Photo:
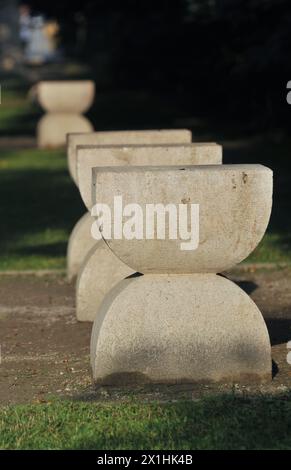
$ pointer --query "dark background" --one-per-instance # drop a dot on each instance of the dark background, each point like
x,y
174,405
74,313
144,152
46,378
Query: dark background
x,y
227,59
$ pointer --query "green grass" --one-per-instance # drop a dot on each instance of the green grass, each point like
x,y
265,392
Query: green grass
x,y
17,114
273,249
39,207
227,422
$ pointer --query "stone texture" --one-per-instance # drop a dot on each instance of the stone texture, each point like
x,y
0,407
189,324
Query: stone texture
x,y
96,139
179,328
66,96
141,155
52,128
89,295
170,326
64,102
100,272
80,243
235,206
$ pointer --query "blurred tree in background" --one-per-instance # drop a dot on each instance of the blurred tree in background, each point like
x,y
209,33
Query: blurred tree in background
x,y
227,56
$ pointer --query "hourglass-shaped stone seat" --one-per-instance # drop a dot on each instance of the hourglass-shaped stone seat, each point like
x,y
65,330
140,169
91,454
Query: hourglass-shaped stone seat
x,y
101,269
181,322
64,103
66,96
81,241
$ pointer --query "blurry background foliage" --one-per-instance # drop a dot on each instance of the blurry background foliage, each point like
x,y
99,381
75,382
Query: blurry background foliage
x,y
228,56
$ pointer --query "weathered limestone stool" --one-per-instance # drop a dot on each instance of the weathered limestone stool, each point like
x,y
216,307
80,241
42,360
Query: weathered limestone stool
x,y
81,241
102,269
181,322
97,139
64,103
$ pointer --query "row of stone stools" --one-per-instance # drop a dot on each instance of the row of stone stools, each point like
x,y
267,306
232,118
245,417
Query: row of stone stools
x,y
180,321
162,314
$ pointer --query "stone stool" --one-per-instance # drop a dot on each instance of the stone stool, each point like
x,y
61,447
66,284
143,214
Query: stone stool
x,y
181,321
64,103
81,241
101,269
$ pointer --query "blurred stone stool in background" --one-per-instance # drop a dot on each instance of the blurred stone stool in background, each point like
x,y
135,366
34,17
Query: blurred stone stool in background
x,y
81,241
64,103
181,322
102,269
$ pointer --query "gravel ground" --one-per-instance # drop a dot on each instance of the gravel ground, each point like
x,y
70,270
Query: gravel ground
x,y
45,351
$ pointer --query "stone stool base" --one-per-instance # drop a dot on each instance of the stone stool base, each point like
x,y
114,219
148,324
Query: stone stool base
x,y
52,129
79,245
100,272
179,328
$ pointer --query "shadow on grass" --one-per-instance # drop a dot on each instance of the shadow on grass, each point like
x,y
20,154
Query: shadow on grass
x,y
51,249
38,210
224,422
19,124
228,421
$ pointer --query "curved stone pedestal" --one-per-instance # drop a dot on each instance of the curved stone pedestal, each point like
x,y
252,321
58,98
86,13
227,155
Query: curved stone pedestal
x,y
70,96
179,328
100,272
122,138
79,245
52,128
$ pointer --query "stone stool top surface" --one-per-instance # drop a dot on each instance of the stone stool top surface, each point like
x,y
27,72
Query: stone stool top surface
x,y
146,137
74,96
140,155
234,209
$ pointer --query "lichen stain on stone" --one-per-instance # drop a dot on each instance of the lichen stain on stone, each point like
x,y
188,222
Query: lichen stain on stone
x,y
244,177
185,200
121,155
